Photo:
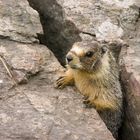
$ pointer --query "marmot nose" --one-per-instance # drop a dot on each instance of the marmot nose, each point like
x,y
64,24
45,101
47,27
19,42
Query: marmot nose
x,y
69,58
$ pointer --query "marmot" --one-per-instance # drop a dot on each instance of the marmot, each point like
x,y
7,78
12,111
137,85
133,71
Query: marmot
x,y
94,71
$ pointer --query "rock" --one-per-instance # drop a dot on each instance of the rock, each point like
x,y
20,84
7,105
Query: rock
x,y
108,32
66,22
24,59
5,83
18,21
130,76
129,18
37,110
119,4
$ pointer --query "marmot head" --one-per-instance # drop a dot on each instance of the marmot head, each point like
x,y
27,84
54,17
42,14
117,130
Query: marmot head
x,y
86,56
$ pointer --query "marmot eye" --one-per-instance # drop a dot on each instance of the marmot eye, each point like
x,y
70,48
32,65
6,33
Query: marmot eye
x,y
89,54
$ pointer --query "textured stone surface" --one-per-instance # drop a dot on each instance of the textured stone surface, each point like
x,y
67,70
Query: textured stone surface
x,y
109,20
24,59
65,22
120,4
108,32
38,111
18,21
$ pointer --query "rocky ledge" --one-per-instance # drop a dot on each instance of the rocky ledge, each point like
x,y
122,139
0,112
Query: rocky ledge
x,y
37,110
30,107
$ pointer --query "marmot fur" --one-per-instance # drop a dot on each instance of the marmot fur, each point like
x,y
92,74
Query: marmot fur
x,y
94,71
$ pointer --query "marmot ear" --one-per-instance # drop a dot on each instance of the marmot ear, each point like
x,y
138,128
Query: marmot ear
x,y
104,49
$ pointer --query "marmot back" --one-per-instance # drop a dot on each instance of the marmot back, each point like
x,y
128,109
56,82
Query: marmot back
x,y
93,69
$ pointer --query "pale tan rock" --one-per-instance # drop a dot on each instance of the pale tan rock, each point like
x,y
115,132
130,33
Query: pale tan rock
x,y
24,59
37,110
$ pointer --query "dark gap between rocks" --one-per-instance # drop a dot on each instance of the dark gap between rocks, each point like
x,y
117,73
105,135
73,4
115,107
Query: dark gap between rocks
x,y
59,33
130,124
121,130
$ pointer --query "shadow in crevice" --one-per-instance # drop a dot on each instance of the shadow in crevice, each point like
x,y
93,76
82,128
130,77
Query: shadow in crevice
x,y
59,33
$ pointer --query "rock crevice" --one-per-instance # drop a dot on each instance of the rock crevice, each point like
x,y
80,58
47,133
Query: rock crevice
x,y
59,32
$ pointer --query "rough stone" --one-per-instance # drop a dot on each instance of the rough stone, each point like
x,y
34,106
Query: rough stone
x,y
24,60
18,21
129,18
38,111
108,32
119,4
66,22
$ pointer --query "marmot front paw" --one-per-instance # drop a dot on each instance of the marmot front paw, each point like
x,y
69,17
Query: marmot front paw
x,y
88,103
61,82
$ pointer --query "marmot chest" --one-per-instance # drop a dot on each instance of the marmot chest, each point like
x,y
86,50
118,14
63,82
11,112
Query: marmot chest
x,y
84,83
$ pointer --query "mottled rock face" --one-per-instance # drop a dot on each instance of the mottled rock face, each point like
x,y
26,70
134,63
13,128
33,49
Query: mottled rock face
x,y
36,110
18,21
24,59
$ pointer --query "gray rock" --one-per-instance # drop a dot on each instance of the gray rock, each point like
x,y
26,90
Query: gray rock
x,y
109,32
66,22
120,3
23,59
18,21
129,18
38,111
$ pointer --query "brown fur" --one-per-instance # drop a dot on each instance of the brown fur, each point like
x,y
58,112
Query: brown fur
x,y
96,76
